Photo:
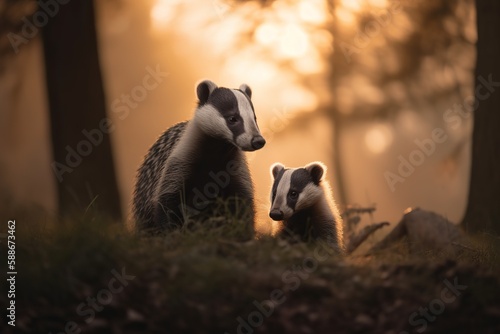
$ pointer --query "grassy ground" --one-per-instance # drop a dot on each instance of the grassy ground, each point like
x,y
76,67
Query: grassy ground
x,y
87,276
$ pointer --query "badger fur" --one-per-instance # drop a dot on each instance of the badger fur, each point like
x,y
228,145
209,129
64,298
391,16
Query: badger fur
x,y
197,163
302,201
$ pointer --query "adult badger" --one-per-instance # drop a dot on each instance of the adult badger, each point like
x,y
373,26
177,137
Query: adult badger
x,y
196,164
302,200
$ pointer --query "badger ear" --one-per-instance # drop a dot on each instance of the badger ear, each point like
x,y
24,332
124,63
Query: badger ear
x,y
316,170
204,89
276,169
245,89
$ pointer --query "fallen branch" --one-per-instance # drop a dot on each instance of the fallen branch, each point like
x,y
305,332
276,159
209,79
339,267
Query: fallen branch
x,y
358,239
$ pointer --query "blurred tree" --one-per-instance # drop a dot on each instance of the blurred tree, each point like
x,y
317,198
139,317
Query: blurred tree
x,y
394,57
483,209
399,56
336,71
78,111
12,13
82,151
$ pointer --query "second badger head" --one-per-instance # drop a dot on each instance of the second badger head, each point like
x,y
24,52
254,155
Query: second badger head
x,y
228,114
295,189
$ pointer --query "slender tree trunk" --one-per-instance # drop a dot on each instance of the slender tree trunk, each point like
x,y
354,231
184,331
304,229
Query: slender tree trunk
x,y
86,176
483,209
337,71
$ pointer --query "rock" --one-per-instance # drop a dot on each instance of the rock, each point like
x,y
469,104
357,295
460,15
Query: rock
x,y
425,231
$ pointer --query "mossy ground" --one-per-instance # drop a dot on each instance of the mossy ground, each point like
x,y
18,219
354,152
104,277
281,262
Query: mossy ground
x,y
203,279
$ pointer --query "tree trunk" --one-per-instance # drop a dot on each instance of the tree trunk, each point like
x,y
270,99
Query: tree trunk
x,y
83,159
337,71
483,209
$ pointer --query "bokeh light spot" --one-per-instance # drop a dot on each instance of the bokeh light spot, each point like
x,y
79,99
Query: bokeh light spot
x,y
378,138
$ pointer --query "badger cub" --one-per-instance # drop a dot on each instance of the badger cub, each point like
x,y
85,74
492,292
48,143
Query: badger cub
x,y
302,200
196,167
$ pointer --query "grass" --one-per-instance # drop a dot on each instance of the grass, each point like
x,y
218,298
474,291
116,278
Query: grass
x,y
203,279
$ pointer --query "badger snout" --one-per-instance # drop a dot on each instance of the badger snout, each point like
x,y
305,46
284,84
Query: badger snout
x,y
276,214
258,142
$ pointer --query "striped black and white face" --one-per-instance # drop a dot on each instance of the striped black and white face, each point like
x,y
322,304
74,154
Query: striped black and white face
x,y
295,189
229,114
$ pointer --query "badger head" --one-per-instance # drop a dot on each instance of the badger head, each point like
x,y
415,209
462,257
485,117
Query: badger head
x,y
295,189
228,114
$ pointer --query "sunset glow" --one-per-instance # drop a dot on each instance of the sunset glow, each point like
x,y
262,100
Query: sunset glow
x,y
286,42
378,138
162,12
351,5
345,16
313,12
293,42
267,33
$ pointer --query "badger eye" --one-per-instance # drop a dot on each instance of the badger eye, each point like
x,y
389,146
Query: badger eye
x,y
293,194
232,119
